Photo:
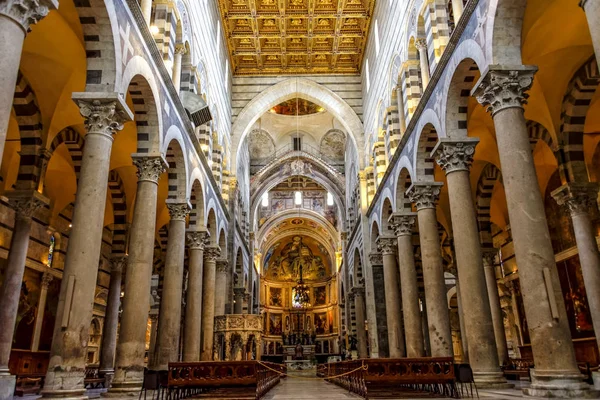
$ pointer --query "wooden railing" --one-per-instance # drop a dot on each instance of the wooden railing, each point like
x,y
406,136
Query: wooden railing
x,y
233,379
382,377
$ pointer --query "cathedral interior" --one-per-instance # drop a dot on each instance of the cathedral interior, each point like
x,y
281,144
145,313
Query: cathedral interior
x,y
299,185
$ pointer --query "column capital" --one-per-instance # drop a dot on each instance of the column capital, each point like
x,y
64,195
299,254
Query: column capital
x,y
455,154
239,291
27,12
103,113
357,291
149,168
583,3
180,49
502,87
421,43
387,245
362,175
178,210
212,252
424,194
578,198
403,223
47,278
118,263
375,258
26,202
489,256
196,240
222,265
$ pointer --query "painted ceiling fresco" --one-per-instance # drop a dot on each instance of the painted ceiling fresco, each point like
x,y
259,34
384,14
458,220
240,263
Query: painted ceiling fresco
x,y
289,256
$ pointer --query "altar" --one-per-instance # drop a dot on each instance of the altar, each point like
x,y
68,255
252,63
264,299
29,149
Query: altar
x,y
300,360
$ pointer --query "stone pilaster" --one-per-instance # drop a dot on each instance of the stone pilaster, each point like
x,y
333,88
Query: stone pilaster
x,y
169,317
193,307
579,199
502,90
221,286
211,253
104,114
387,247
455,158
403,226
129,365
424,195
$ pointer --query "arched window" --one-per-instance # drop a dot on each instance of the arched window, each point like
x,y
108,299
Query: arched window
x,y
51,251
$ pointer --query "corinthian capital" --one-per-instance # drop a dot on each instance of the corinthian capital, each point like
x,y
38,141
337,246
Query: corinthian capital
x,y
149,168
196,240
375,258
222,265
27,12
387,245
118,263
578,198
104,113
46,279
178,211
424,194
403,223
455,154
26,202
421,43
503,87
212,252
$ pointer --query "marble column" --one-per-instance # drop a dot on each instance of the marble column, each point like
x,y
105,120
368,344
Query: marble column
x,y
358,294
425,196
169,316
16,18
421,45
502,90
153,317
221,286
592,12
131,348
455,157
387,247
211,253
146,6
111,320
39,318
461,322
495,307
193,306
400,104
238,295
104,114
457,10
578,199
403,224
179,52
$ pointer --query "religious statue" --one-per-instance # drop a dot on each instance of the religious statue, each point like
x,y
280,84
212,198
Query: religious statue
x,y
299,352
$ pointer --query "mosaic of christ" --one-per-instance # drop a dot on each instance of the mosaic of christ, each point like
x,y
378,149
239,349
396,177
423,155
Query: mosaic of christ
x,y
285,260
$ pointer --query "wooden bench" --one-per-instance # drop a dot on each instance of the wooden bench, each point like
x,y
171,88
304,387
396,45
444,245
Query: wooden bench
x,y
518,368
28,385
222,379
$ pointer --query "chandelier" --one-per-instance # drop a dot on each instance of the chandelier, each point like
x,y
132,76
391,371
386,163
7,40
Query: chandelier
x,y
301,297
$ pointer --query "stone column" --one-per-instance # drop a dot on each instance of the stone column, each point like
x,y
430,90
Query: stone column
x,y
578,199
179,52
455,157
238,295
425,196
146,6
464,343
153,334
358,294
501,90
111,320
421,45
104,114
39,318
169,316
592,12
387,246
208,301
400,104
25,203
193,305
457,10
403,224
221,286
495,307
129,365
16,18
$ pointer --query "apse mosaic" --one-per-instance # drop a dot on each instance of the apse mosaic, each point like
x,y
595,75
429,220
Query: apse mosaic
x,y
286,259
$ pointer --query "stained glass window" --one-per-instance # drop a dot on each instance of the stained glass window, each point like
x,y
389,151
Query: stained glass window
x,y
51,251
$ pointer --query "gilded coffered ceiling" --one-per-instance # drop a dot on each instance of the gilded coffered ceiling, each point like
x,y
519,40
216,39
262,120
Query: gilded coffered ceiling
x,y
296,36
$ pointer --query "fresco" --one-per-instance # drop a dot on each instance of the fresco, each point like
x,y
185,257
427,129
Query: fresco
x,y
293,254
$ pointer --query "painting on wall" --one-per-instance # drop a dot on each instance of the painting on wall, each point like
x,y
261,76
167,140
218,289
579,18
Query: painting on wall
x,y
297,255
276,299
321,325
275,324
320,296
578,312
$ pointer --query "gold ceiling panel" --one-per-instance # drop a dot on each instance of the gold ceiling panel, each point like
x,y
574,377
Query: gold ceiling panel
x,y
268,37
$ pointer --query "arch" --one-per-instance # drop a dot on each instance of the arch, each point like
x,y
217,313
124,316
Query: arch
x,y
138,81
292,88
74,142
580,91
403,182
375,232
177,160
211,225
539,132
197,201
424,162
223,242
358,269
119,203
386,211
503,29
483,198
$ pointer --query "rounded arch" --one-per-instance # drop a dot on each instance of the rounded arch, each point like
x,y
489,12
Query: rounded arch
x,y
211,225
375,232
358,275
403,182
197,201
503,30
483,198
426,141
178,164
119,205
223,242
289,89
386,211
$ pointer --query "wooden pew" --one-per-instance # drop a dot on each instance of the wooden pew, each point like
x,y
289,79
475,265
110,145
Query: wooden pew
x,y
222,379
518,368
